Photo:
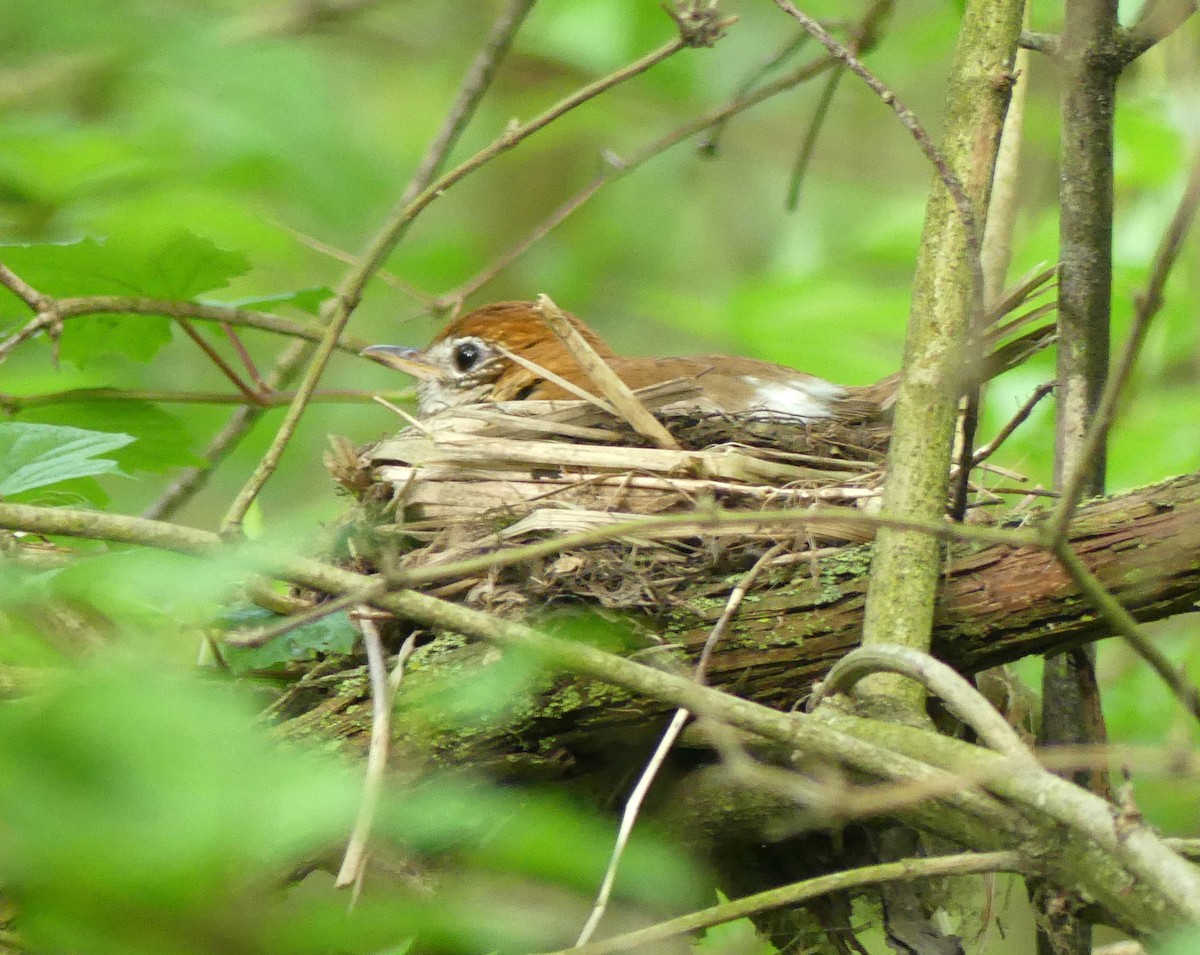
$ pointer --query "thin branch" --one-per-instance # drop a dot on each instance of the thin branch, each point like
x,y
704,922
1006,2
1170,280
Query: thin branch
x,y
617,168
382,694
67,308
243,353
292,359
966,863
217,359
341,255
13,404
1157,20
37,301
1123,623
1048,43
339,309
1146,306
710,144
960,698
475,83
629,817
400,220
985,452
190,481
910,122
634,804
260,636
812,133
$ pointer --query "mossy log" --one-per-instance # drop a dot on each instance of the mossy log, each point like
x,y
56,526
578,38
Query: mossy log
x,y
997,604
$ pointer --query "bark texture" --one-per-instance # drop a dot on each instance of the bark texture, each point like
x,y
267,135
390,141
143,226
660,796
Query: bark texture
x,y
996,604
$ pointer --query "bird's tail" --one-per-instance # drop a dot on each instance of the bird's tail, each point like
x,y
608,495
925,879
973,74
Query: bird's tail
x,y
1017,309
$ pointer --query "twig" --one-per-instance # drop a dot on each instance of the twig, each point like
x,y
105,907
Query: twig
x,y
1155,22
910,122
987,450
259,636
272,399
215,357
960,698
1048,43
339,309
37,301
709,145
66,309
475,83
242,353
629,816
634,804
808,144
289,363
619,394
1123,623
382,690
383,243
192,480
340,255
1146,306
963,864
617,168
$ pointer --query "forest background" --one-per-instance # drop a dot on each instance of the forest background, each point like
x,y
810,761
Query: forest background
x,y
239,152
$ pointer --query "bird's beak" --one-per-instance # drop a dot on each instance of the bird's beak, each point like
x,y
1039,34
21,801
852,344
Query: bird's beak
x,y
407,360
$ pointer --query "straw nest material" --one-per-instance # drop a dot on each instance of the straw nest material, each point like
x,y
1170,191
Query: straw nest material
x,y
480,479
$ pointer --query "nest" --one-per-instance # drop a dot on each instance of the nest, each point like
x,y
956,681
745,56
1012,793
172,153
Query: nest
x,y
579,477
470,482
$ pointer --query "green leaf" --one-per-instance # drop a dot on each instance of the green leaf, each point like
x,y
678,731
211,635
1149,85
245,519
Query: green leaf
x,y
306,299
163,440
176,266
35,455
334,634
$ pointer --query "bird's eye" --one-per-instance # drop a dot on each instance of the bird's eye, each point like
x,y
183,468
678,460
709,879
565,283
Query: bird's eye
x,y
466,355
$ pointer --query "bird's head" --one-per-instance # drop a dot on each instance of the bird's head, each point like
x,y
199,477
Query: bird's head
x,y
486,355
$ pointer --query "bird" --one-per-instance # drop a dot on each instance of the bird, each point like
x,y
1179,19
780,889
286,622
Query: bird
x,y
498,353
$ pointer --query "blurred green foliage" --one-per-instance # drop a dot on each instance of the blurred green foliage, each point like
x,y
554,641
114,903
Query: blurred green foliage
x,y
210,148
181,833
